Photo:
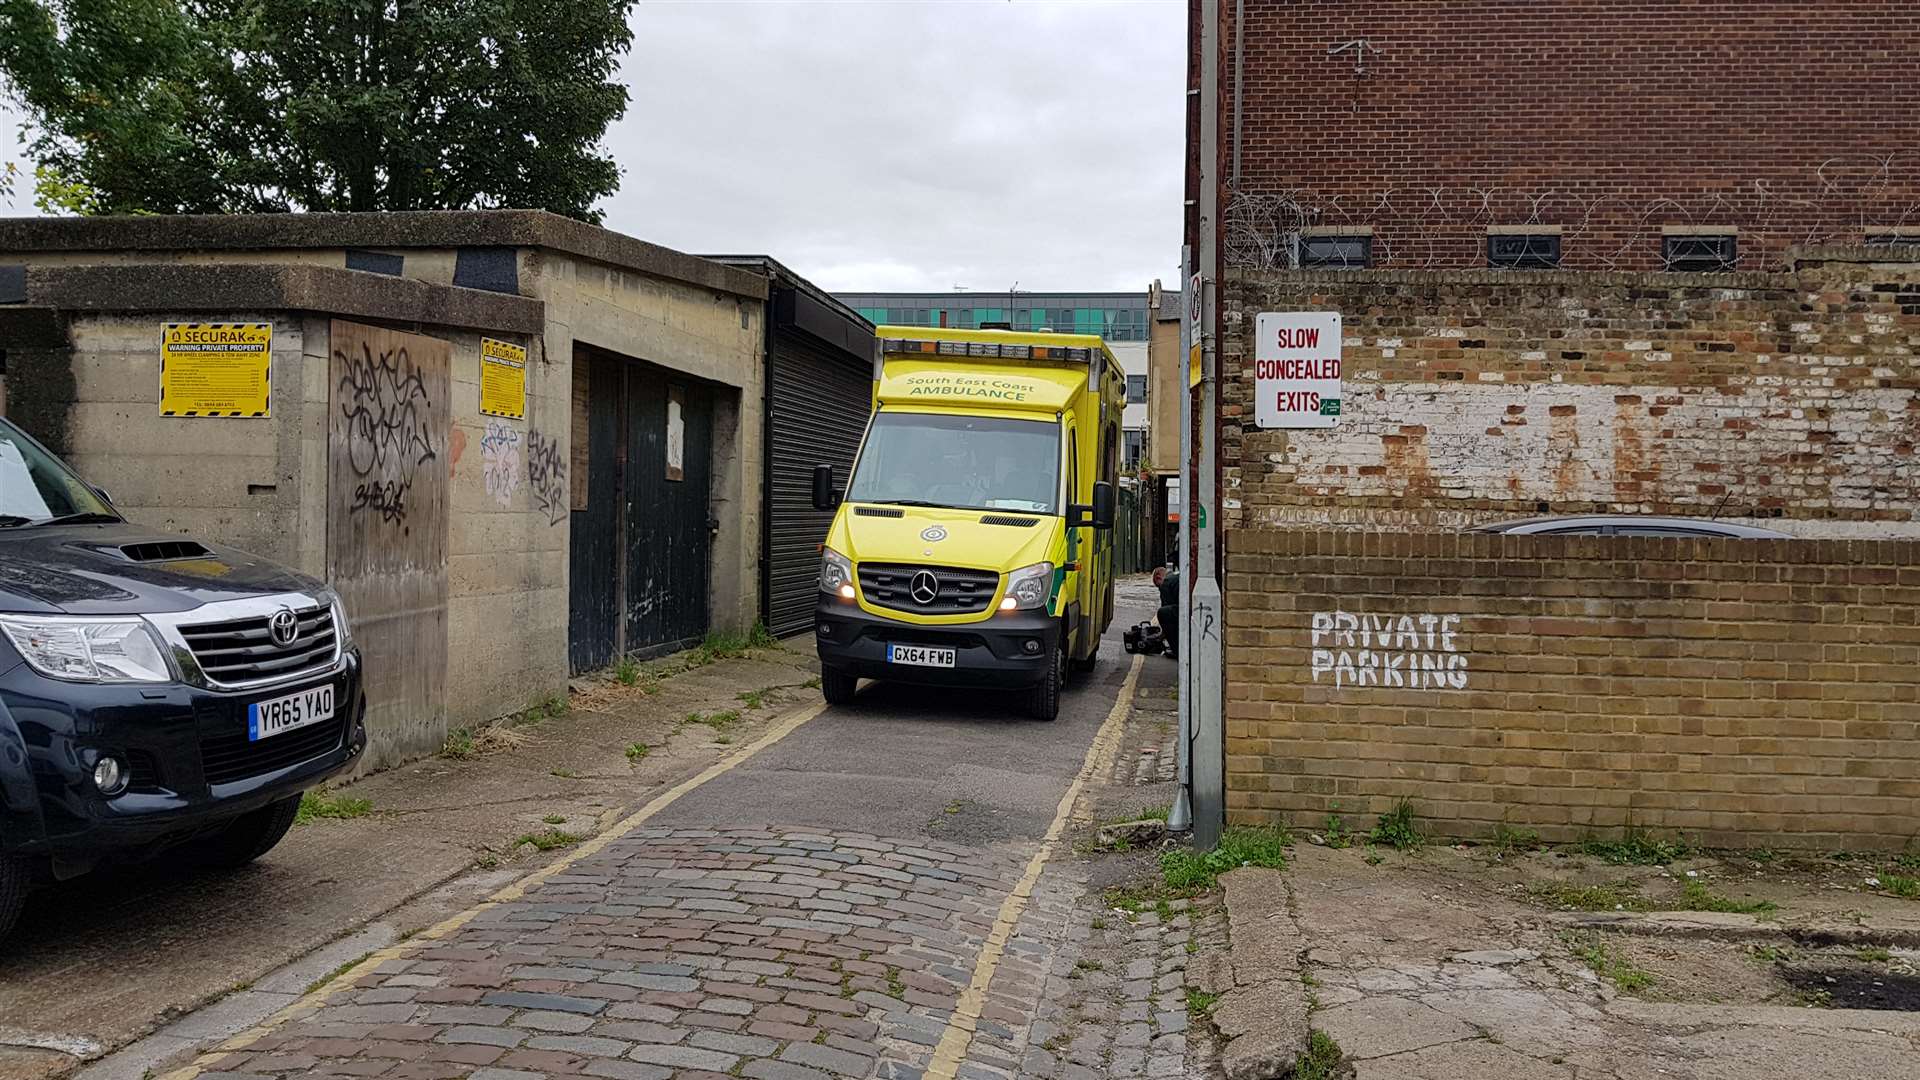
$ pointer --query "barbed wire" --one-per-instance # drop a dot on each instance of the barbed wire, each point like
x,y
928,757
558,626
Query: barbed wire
x,y
1848,199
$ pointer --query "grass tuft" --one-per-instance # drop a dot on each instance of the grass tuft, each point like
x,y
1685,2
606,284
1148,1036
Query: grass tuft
x,y
315,805
548,840
1510,841
1567,896
565,774
459,745
555,819
1616,969
627,671
1396,828
637,751
1905,886
1336,833
1200,1002
721,720
1695,896
1637,847
1187,871
1322,1061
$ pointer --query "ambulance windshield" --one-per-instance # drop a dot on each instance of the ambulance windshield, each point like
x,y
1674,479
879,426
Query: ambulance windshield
x,y
961,462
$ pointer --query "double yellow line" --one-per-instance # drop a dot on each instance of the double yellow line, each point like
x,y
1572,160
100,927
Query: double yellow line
x,y
951,1052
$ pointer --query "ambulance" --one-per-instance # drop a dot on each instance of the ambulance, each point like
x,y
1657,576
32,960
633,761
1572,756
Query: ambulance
x,y
972,545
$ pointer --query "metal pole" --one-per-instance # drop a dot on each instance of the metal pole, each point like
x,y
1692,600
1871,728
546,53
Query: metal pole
x,y
1180,817
1205,644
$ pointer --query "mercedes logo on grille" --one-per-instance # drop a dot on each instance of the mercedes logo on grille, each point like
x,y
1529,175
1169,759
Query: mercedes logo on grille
x,y
925,588
284,627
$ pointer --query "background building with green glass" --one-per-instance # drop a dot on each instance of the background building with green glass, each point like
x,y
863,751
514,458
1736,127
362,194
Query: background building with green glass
x,y
1114,316
1121,318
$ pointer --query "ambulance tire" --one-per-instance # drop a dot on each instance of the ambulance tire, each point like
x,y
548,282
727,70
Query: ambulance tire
x,y
838,686
1043,701
1087,662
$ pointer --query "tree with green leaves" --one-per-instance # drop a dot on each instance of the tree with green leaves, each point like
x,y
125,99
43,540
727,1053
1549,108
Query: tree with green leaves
x,y
251,106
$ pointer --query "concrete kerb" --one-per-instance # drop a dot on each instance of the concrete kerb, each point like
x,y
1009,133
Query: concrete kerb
x,y
310,1003
1263,1008
1721,926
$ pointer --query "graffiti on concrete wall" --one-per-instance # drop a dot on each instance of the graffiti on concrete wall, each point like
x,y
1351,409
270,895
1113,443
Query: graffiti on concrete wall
x,y
547,476
384,403
1408,651
500,461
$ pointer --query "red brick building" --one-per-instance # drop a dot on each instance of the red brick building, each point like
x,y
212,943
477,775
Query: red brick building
x,y
1587,134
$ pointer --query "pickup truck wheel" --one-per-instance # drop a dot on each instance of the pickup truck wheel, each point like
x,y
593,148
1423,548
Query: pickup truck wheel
x,y
838,686
1043,701
13,892
249,836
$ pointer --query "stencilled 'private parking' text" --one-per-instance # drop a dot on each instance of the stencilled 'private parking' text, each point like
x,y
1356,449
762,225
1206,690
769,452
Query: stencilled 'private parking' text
x,y
1410,651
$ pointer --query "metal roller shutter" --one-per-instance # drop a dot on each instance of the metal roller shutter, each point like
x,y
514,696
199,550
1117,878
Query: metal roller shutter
x,y
819,400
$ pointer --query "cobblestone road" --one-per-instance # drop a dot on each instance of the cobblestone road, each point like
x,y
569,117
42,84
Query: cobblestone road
x,y
794,951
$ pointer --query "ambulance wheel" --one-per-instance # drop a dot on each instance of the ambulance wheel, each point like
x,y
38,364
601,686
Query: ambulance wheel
x,y
838,686
1043,701
1087,662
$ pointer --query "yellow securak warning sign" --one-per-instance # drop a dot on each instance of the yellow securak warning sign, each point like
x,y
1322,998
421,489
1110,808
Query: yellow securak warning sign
x,y
503,379
215,369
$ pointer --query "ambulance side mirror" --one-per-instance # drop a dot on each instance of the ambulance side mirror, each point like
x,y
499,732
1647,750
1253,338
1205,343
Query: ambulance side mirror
x,y
1099,515
824,497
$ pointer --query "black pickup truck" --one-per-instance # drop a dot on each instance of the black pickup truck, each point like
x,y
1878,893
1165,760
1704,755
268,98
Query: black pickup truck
x,y
159,697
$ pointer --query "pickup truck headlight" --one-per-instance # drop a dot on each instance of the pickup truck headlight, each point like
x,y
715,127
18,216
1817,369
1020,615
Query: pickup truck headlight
x,y
1028,587
836,574
81,649
342,629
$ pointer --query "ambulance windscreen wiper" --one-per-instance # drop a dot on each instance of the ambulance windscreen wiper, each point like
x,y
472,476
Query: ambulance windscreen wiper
x,y
918,502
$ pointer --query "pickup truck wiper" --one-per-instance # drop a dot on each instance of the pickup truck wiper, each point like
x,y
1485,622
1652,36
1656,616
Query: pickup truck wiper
x,y
90,517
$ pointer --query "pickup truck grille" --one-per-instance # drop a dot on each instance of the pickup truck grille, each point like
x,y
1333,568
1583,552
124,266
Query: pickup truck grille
x,y
232,756
243,650
960,591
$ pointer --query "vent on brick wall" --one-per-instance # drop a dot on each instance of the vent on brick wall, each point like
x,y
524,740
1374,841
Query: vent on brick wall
x,y
1699,254
1523,251
1335,252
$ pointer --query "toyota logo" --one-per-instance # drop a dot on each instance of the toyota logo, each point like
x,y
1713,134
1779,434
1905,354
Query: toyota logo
x,y
284,627
925,588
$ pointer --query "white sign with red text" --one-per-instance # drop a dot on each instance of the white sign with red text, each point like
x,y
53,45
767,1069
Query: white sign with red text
x,y
1296,369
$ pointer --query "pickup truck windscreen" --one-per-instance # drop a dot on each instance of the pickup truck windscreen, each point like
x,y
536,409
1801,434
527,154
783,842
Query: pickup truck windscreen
x,y
962,462
35,487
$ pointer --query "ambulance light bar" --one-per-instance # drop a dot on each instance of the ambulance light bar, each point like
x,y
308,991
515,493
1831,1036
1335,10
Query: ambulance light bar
x,y
987,350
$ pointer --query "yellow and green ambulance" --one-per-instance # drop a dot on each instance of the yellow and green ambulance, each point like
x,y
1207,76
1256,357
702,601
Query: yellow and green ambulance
x,y
973,545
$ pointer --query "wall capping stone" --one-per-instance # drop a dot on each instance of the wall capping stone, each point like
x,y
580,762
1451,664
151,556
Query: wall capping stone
x,y
384,231
139,287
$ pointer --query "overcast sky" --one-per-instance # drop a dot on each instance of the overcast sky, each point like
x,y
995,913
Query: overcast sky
x,y
903,144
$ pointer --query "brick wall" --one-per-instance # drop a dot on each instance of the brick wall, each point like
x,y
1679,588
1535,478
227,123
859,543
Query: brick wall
x,y
1790,399
1748,693
1607,118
